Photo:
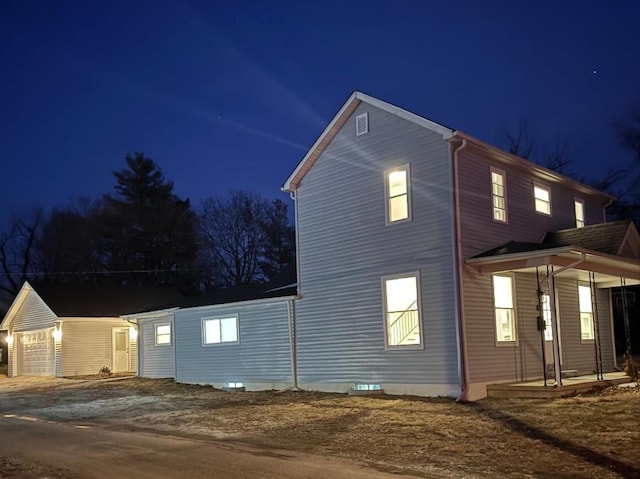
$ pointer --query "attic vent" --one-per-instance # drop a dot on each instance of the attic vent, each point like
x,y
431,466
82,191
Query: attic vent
x,y
362,124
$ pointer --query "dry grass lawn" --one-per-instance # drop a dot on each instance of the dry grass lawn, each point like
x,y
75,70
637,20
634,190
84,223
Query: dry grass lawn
x,y
593,435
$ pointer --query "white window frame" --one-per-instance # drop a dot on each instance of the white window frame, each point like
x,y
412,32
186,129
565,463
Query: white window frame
x,y
219,319
387,194
539,186
513,309
494,195
587,311
385,312
362,119
169,334
580,222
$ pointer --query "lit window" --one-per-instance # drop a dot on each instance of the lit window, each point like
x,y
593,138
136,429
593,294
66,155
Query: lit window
x,y
504,310
220,330
586,313
163,334
397,189
543,199
402,312
498,194
546,316
579,207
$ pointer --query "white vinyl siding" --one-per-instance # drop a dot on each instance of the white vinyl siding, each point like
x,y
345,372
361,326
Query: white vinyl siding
x,y
498,195
586,312
579,209
220,330
402,310
163,334
397,190
504,309
542,196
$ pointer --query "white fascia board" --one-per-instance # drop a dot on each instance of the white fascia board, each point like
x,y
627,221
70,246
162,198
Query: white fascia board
x,y
287,184
446,133
149,314
16,305
251,302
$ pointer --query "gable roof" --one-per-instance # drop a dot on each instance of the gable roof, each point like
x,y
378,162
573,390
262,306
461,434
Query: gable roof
x,y
340,119
356,98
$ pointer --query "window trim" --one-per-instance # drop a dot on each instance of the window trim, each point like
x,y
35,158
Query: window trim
x,y
580,312
577,201
219,318
155,336
383,288
516,341
498,171
407,168
535,199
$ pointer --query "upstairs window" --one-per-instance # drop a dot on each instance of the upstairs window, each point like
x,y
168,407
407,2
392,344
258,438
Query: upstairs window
x,y
362,124
163,334
402,310
579,208
505,316
586,312
398,194
220,330
542,196
498,195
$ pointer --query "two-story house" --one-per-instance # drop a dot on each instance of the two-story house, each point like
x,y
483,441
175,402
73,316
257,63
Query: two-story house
x,y
432,263
429,263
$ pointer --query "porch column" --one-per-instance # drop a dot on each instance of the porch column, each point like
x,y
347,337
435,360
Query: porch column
x,y
557,370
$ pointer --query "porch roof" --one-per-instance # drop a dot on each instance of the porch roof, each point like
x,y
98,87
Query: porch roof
x,y
582,250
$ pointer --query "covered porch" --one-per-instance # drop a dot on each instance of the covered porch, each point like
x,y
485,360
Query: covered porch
x,y
573,272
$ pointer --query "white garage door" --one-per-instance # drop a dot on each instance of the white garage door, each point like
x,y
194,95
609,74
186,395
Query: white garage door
x,y
35,353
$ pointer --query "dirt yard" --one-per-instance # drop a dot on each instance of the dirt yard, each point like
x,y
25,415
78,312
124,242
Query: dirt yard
x,y
594,435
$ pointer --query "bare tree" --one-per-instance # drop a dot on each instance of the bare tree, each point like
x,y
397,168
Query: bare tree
x,y
18,251
522,142
243,238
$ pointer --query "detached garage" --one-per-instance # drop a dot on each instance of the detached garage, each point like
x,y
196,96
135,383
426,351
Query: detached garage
x,y
63,329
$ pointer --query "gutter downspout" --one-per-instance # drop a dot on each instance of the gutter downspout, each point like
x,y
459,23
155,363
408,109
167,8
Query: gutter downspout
x,y
462,331
557,371
291,307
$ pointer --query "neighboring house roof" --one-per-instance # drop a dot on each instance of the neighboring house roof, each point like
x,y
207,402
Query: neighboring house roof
x,y
69,300
356,98
283,285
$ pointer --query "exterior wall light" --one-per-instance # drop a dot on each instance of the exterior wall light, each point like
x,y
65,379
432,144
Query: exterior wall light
x,y
10,340
57,334
133,333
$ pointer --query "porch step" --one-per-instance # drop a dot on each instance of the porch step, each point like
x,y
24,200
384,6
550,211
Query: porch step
x,y
536,389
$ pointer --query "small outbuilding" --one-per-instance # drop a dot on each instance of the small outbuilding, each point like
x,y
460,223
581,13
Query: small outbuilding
x,y
67,329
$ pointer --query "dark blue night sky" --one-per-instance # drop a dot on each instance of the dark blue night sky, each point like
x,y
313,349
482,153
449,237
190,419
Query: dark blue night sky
x,y
231,94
